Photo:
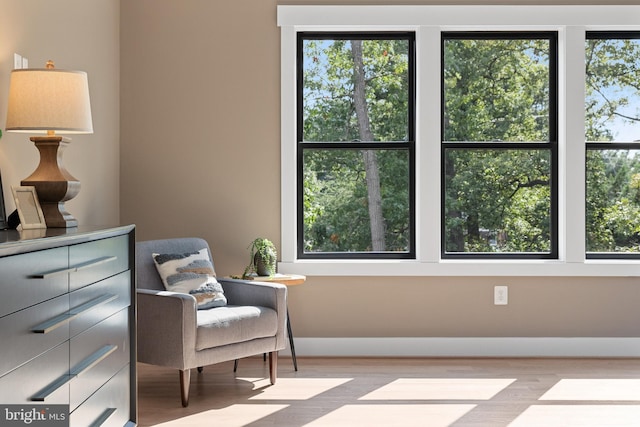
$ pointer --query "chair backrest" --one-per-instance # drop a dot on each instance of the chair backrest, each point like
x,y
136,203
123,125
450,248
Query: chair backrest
x,y
146,272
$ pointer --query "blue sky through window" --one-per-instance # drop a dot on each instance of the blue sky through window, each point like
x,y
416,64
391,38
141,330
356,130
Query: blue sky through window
x,y
624,125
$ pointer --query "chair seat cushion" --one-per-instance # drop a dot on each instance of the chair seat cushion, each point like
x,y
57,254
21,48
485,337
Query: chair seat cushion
x,y
232,324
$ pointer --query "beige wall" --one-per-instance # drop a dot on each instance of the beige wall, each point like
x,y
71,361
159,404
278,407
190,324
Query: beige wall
x,y
81,35
200,155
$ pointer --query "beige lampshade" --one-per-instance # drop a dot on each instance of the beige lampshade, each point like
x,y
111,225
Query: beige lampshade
x,y
42,100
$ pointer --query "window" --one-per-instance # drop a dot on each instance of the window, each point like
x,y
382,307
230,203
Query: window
x,y
499,144
356,145
487,162
613,144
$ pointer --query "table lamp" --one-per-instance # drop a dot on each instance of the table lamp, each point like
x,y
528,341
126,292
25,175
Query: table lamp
x,y
45,101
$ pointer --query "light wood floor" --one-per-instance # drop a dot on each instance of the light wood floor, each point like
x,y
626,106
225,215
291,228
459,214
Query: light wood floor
x,y
398,392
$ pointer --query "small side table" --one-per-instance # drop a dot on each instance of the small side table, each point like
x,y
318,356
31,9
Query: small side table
x,y
288,280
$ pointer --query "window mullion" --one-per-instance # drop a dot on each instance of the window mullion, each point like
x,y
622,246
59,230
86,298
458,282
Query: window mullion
x,y
572,145
428,172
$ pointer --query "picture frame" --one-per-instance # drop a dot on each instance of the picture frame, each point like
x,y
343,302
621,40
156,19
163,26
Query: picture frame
x,y
4,224
28,206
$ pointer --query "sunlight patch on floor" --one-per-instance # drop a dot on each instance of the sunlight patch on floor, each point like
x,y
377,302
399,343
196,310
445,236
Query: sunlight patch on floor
x,y
579,416
595,389
298,389
231,416
440,389
391,415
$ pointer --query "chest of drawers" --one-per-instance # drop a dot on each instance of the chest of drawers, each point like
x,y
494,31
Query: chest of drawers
x,y
67,323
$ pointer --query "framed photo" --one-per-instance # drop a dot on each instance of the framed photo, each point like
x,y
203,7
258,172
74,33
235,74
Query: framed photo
x,y
28,207
3,213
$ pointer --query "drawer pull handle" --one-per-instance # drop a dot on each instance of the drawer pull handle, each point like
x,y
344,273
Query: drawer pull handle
x,y
75,269
78,370
51,388
93,360
93,263
89,305
53,273
53,323
103,417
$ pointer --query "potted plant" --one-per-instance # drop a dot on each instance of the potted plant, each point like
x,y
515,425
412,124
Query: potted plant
x,y
262,258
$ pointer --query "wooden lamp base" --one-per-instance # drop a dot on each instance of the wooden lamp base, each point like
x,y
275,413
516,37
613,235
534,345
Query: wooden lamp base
x,y
54,185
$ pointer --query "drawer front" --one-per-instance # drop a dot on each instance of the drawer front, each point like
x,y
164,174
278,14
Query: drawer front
x,y
96,302
108,407
94,261
97,354
30,278
30,332
43,376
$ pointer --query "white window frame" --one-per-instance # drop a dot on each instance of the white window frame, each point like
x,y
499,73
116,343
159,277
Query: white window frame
x,y
571,23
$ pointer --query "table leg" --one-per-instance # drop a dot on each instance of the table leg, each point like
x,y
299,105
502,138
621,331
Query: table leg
x,y
293,348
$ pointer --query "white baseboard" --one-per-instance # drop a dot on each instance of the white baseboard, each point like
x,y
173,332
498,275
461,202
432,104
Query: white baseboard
x,y
468,347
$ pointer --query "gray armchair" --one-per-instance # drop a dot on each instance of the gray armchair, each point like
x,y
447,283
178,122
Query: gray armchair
x,y
173,333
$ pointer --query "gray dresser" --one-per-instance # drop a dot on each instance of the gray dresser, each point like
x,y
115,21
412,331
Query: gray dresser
x,y
67,322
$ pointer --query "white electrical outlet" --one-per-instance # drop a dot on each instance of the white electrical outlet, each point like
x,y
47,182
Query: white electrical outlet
x,y
501,295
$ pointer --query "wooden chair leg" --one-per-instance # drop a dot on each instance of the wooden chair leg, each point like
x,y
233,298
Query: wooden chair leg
x,y
235,365
185,381
273,366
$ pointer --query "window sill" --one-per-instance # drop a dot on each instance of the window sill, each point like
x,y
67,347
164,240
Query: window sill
x,y
553,268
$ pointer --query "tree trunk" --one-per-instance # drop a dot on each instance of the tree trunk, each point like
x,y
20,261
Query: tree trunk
x,y
473,228
370,159
454,238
